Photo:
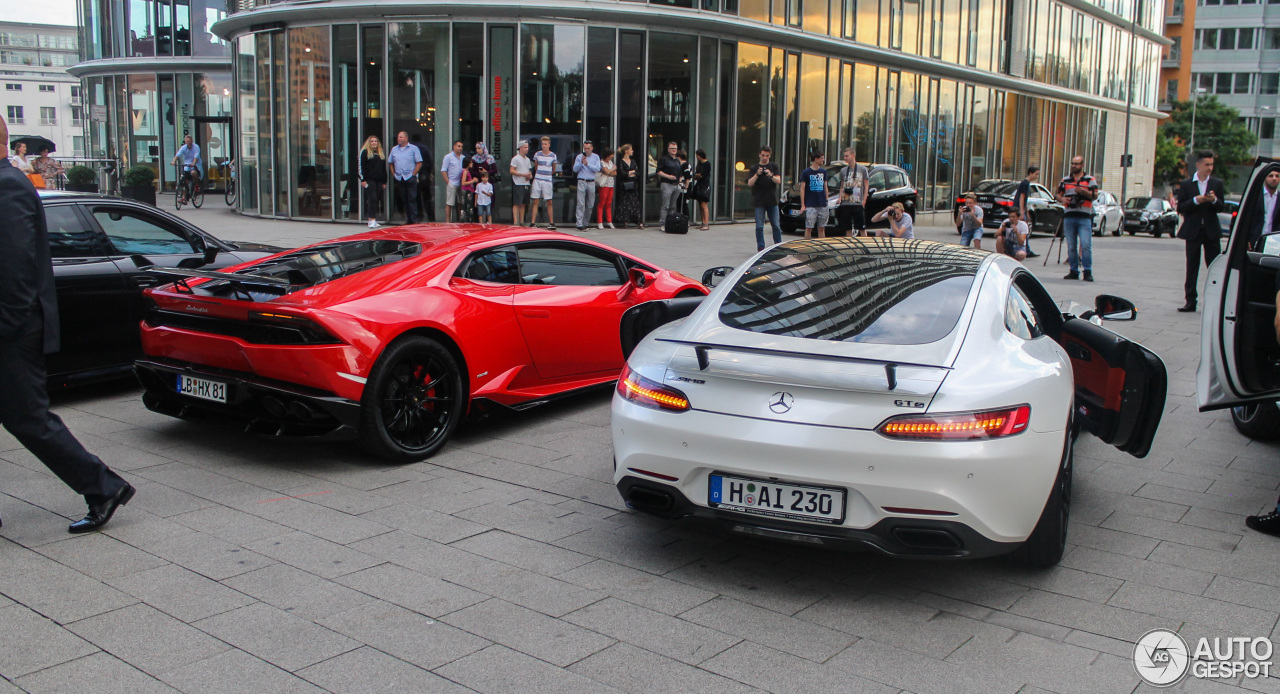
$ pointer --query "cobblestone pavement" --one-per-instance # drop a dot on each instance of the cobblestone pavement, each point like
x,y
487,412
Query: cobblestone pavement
x,y
508,564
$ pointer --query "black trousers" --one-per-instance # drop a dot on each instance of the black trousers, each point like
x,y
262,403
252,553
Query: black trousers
x,y
407,193
373,200
850,217
1211,248
24,411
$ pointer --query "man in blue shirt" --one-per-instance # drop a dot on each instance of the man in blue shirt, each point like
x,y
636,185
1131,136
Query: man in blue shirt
x,y
813,201
586,165
189,155
405,160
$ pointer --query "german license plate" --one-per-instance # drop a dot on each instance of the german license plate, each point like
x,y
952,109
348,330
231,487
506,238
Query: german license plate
x,y
985,205
202,388
777,499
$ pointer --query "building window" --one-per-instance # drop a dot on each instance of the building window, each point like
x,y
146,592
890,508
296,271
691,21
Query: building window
x,y
48,115
1244,40
1224,83
1226,39
15,115
1273,40
1206,39
1175,51
46,88
77,114
75,91
1269,83
1171,91
9,87
1266,128
1242,82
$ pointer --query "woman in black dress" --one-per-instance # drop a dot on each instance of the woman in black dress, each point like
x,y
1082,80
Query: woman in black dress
x,y
701,188
373,178
627,189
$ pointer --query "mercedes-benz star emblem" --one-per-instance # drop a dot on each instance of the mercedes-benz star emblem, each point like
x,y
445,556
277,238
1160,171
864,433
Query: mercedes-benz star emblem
x,y
780,402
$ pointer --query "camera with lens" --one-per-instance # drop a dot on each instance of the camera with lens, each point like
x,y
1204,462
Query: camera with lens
x,y
848,191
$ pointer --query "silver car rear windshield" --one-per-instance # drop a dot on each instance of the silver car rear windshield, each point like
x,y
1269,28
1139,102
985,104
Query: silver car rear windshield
x,y
854,290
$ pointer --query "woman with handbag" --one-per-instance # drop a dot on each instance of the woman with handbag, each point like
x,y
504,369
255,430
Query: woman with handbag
x,y
604,186
701,191
19,160
628,184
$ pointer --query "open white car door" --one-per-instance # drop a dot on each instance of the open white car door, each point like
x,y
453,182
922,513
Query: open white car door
x,y
1239,354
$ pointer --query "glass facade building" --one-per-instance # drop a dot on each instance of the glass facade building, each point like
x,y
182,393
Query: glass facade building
x,y
952,91
152,72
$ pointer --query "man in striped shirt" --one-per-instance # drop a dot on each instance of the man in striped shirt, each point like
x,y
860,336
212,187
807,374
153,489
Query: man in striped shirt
x,y
1076,192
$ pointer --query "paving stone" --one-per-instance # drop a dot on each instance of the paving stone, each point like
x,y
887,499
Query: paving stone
x,y
424,522
547,526
636,670
100,556
674,638
63,594
775,671
423,555
423,594
898,623
230,525
637,587
19,560
527,554
1174,532
1060,667
148,639
499,669
556,641
181,593
209,556
100,672
1106,620
644,551
366,671
425,642
297,592
30,642
276,636
236,672
535,591
313,554
922,674
1126,568
326,523
783,632
1191,608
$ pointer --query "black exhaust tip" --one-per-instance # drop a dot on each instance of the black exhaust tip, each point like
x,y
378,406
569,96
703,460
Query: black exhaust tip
x,y
274,406
651,500
927,538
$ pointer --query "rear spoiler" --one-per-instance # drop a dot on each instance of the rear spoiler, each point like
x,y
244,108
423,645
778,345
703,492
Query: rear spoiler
x,y
240,282
702,350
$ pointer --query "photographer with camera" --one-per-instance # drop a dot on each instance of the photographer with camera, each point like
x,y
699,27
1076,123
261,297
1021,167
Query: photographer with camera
x,y
1076,192
851,214
969,220
1011,237
764,179
900,224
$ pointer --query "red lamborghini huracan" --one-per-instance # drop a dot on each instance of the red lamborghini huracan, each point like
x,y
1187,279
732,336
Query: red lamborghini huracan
x,y
394,335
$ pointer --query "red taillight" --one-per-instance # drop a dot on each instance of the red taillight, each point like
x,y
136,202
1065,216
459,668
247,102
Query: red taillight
x,y
959,426
640,390
1004,203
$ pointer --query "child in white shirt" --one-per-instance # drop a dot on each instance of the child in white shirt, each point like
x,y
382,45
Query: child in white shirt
x,y
484,198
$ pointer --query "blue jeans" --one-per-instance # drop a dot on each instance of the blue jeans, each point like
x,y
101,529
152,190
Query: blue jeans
x,y
772,212
968,235
1078,227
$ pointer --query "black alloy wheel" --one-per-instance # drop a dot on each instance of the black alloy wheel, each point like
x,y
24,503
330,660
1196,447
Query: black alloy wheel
x,y
1260,422
412,401
1048,542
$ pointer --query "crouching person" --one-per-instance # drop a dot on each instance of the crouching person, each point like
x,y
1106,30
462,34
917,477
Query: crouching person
x,y
1011,238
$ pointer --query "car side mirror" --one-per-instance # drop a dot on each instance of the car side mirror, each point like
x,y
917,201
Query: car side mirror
x,y
640,278
872,190
712,276
1108,307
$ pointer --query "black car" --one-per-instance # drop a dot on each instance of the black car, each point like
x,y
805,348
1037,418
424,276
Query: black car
x,y
1153,216
995,197
887,184
100,302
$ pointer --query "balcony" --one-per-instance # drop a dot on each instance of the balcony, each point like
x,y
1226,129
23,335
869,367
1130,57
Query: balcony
x,y
1173,19
17,121
1171,63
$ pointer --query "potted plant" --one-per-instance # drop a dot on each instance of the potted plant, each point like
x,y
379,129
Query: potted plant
x,y
82,179
138,184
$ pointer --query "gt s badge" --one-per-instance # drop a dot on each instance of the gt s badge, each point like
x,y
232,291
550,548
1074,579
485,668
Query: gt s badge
x,y
909,403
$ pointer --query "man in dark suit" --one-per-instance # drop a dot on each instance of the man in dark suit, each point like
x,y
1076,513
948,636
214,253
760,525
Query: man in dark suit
x,y
28,331
1266,218
1199,202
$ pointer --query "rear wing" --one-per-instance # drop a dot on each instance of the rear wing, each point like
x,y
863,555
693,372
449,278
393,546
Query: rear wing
x,y
240,284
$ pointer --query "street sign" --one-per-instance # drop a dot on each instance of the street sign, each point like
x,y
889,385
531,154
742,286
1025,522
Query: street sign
x,y
98,113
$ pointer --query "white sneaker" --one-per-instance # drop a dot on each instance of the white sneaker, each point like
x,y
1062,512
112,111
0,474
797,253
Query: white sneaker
x,y
611,226
599,226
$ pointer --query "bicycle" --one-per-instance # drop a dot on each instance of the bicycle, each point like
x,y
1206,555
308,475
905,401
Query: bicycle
x,y
229,182
189,190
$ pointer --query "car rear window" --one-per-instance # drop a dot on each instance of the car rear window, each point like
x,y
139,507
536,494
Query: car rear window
x,y
851,290
308,267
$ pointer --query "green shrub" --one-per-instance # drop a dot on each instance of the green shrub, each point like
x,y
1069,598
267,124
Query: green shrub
x,y
139,177
81,176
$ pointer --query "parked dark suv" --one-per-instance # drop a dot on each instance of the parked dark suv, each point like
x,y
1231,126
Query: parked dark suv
x,y
995,197
100,302
887,184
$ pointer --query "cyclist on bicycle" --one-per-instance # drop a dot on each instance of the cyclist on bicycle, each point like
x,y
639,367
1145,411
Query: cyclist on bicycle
x,y
189,154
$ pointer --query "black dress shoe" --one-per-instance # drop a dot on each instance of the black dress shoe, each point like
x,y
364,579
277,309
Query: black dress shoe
x,y
1071,276
1088,276
101,512
1269,524
1189,307
1032,254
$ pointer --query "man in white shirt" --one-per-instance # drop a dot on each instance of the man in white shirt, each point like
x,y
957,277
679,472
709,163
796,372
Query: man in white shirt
x,y
1011,238
521,176
1269,221
586,166
545,163
451,167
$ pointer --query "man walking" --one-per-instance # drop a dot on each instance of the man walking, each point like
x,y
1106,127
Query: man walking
x,y
670,171
763,180
521,170
1076,192
851,214
1199,202
451,167
1266,216
405,161
586,166
28,331
813,203
545,164
1020,202
426,183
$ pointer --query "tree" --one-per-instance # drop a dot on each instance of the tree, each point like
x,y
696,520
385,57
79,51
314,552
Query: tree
x,y
1218,128
1170,158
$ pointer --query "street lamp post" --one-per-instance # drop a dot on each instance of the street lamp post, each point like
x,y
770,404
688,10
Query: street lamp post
x,y
1128,106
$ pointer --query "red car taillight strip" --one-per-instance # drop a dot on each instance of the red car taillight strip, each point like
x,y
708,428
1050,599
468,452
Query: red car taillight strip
x,y
642,391
958,426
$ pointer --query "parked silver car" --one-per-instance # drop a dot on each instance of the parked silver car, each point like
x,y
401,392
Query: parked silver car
x,y
1108,214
